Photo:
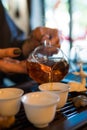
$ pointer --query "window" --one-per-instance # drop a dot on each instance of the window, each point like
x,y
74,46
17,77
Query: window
x,y
79,12
69,16
57,16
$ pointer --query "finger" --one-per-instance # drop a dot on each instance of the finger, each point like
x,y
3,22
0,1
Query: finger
x,y
45,38
8,59
13,67
55,42
36,34
10,52
50,40
39,32
54,37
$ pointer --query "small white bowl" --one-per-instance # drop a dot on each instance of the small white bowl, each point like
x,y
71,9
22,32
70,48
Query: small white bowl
x,y
61,89
40,107
10,101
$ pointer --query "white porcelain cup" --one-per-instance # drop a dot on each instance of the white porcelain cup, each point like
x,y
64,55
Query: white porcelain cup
x,y
60,89
40,107
10,101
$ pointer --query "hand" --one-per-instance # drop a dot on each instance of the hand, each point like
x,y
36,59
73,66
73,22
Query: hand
x,y
41,34
9,65
38,36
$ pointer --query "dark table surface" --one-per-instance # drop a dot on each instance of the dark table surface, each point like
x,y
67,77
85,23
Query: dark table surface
x,y
69,117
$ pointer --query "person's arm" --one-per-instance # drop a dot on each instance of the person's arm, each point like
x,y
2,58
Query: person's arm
x,y
16,66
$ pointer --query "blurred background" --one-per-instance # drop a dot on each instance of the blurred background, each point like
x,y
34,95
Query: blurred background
x,y
68,16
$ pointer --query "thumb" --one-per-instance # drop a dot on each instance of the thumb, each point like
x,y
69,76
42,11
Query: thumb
x,y
10,52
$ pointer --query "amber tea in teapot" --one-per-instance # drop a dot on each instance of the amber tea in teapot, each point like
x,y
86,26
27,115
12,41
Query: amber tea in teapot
x,y
47,64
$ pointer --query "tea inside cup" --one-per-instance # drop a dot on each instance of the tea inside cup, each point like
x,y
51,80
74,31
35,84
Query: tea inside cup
x,y
60,89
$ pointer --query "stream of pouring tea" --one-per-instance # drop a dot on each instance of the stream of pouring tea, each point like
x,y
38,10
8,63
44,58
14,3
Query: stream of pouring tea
x,y
55,70
49,70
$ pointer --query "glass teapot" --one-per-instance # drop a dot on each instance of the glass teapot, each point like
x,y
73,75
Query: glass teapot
x,y
47,64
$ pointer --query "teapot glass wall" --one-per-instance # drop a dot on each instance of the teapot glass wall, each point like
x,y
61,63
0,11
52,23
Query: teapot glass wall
x,y
47,64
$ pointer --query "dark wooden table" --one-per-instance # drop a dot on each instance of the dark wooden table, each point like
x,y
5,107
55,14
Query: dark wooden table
x,y
69,118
